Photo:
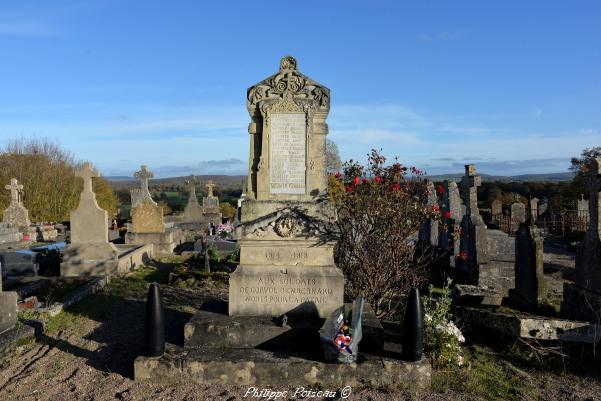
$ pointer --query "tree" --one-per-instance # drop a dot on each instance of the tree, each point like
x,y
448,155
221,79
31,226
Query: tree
x,y
379,210
228,212
47,172
579,164
333,162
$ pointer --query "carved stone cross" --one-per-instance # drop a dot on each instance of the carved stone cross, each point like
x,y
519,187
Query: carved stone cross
x,y
15,188
471,182
210,186
87,173
144,175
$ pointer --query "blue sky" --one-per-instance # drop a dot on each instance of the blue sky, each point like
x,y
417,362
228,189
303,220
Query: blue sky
x,y
512,86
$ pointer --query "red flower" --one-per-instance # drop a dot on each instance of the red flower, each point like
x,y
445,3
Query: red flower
x,y
365,180
378,178
356,180
440,189
435,208
349,188
463,255
396,186
447,214
337,175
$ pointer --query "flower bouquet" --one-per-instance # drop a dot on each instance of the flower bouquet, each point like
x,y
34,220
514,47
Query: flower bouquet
x,y
341,333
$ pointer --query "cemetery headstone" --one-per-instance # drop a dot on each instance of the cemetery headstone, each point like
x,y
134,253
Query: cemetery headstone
x,y
192,211
582,206
8,308
16,215
474,243
533,206
148,223
142,194
518,215
529,276
496,207
210,206
285,268
582,301
90,252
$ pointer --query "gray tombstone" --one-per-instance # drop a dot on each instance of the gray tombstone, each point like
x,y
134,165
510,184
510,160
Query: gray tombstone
x,y
496,207
8,308
142,194
16,215
529,277
474,242
518,215
582,300
192,211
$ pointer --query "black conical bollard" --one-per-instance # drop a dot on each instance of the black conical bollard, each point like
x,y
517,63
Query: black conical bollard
x,y
413,328
155,323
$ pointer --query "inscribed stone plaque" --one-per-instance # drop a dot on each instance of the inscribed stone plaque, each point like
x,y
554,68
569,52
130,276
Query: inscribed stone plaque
x,y
287,153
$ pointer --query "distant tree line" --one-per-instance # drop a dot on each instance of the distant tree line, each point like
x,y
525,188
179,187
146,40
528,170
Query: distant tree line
x,y
47,173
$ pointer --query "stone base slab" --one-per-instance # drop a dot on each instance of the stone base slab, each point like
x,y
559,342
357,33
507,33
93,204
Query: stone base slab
x,y
267,290
163,243
12,338
527,326
247,367
581,304
214,330
473,295
128,259
8,310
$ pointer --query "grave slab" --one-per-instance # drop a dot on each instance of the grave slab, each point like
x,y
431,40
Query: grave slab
x,y
277,369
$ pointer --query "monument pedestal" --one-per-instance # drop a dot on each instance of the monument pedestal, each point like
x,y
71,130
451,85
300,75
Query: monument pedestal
x,y
263,290
99,259
164,243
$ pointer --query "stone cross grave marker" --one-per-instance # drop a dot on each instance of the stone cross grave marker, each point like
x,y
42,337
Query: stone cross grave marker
x,y
89,222
471,182
16,214
192,211
142,194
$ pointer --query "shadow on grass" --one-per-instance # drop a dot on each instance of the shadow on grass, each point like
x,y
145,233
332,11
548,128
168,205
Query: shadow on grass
x,y
119,308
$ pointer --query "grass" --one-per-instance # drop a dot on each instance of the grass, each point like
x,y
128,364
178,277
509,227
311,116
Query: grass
x,y
484,374
75,319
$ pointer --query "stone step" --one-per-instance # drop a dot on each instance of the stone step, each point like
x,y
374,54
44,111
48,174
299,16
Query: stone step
x,y
279,370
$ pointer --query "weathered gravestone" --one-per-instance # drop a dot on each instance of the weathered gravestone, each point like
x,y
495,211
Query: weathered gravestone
x,y
529,289
486,258
518,215
16,214
192,211
582,208
428,233
496,207
8,308
473,246
452,212
211,213
89,253
533,209
583,300
148,225
285,268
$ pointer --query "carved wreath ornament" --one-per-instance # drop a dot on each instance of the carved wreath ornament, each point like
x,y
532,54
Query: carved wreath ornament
x,y
285,226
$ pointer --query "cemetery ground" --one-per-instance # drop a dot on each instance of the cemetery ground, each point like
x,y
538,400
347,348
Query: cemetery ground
x,y
87,353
